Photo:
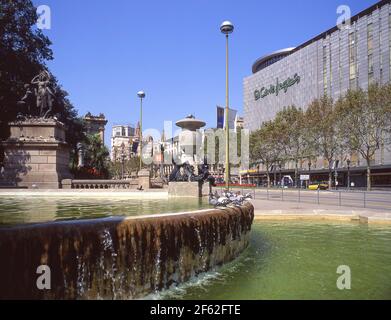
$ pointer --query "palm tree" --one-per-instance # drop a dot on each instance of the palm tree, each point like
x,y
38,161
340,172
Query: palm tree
x,y
96,154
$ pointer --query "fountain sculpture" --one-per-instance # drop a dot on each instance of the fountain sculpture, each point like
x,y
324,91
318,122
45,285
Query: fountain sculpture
x,y
190,173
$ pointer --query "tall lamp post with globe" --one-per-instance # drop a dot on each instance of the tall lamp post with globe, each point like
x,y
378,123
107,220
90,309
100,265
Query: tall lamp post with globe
x,y
226,28
141,95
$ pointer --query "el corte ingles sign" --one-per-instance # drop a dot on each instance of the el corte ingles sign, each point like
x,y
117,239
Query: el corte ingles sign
x,y
276,88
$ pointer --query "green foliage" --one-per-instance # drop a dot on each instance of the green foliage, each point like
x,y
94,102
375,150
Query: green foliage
x,y
96,154
322,130
365,121
292,122
266,145
23,52
130,166
359,122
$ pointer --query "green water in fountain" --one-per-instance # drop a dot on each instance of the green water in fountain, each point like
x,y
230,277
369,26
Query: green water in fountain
x,y
20,210
285,260
299,260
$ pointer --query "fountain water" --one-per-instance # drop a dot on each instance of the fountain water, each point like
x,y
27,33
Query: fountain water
x,y
119,258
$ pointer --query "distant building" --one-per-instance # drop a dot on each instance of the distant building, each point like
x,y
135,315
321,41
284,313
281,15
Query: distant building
x,y
124,142
232,113
239,122
95,125
329,64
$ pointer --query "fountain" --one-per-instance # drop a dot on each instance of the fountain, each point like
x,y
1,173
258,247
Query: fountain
x,y
190,173
114,257
189,139
119,258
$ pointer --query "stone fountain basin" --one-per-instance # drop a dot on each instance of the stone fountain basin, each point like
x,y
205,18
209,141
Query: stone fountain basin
x,y
119,258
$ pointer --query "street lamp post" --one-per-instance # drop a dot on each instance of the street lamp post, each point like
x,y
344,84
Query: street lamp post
x,y
348,163
309,172
279,168
275,175
141,95
226,28
336,174
80,155
122,161
122,166
161,159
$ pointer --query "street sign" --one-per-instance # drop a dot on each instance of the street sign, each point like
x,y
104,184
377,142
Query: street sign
x,y
304,177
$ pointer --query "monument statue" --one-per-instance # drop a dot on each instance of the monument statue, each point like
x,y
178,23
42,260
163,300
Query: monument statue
x,y
36,154
40,101
44,94
28,101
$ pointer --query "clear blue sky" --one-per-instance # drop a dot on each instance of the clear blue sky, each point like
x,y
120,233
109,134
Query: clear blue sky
x,y
106,51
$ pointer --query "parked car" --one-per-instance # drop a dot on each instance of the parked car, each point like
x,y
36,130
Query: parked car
x,y
318,186
286,182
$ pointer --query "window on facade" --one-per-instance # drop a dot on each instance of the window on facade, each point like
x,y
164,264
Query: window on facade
x,y
370,68
352,61
330,66
380,51
370,51
339,64
370,38
389,37
325,69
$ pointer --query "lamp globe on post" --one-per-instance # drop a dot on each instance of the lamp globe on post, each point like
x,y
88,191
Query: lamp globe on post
x,y
141,95
226,28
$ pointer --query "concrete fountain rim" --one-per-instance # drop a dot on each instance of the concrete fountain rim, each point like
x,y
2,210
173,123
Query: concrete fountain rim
x,y
118,218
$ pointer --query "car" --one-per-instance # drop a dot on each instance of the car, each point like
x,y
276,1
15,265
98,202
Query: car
x,y
318,186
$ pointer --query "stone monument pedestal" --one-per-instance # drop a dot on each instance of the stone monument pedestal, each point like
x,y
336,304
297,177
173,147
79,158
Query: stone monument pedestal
x,y
144,179
196,189
36,154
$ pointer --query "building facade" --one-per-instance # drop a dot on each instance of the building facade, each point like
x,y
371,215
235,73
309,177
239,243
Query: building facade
x,y
124,143
95,125
330,63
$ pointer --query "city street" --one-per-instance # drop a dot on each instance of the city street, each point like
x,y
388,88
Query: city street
x,y
360,199
344,198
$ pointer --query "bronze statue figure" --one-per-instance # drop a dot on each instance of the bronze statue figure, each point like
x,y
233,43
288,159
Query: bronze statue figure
x,y
26,104
185,173
38,101
44,93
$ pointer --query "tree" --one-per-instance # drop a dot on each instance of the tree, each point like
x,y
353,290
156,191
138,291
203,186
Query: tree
x,y
322,131
67,114
23,52
24,49
291,122
266,146
96,155
366,122
130,165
